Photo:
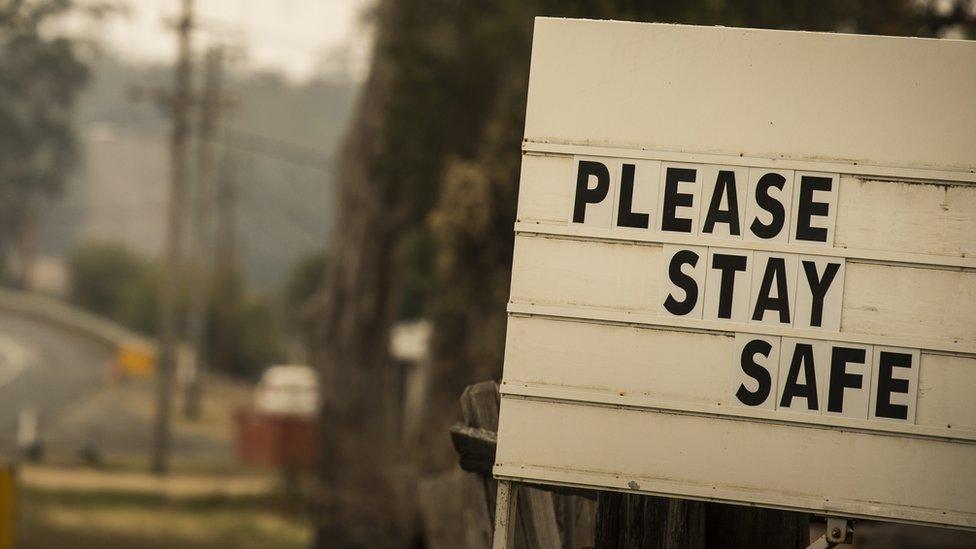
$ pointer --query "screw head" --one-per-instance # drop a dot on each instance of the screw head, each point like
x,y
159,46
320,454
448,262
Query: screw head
x,y
835,533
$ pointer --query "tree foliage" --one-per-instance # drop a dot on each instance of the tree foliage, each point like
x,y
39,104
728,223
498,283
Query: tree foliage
x,y
115,282
41,74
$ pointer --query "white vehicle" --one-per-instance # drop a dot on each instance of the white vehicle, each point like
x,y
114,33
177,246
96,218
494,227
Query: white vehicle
x,y
290,389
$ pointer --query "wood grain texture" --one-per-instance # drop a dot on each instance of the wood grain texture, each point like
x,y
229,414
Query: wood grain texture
x,y
454,511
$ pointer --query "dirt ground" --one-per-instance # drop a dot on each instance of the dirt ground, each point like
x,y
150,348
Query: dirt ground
x,y
92,488
131,511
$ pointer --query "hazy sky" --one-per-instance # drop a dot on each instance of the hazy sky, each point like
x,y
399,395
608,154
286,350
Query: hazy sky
x,y
288,36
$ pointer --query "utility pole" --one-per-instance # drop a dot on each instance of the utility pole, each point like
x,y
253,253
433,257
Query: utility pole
x,y
210,110
224,258
168,340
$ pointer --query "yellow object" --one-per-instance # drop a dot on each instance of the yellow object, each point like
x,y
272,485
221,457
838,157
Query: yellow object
x,y
8,505
136,359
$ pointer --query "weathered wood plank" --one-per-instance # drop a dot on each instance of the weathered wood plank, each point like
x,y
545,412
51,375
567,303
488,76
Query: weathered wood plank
x,y
719,460
450,513
475,448
920,217
537,517
879,300
633,521
479,405
653,365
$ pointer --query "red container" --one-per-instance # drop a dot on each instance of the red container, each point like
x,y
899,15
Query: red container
x,y
276,440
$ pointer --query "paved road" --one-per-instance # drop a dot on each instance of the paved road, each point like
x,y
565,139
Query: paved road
x,y
45,367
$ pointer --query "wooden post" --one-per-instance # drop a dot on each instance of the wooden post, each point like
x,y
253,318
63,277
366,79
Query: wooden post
x,y
630,521
505,513
536,525
737,526
210,104
169,292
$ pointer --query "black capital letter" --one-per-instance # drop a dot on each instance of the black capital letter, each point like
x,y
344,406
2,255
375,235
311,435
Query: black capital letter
x,y
673,199
818,288
840,379
755,371
626,217
769,204
586,195
807,208
887,362
802,356
684,282
728,264
724,185
775,271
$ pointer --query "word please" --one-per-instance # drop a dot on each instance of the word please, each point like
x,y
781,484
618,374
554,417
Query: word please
x,y
825,378
759,204
780,289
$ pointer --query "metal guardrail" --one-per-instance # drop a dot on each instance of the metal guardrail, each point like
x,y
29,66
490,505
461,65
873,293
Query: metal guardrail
x,y
55,311
134,354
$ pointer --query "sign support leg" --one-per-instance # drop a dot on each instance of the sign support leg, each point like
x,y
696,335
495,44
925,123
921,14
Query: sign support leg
x,y
506,503
840,531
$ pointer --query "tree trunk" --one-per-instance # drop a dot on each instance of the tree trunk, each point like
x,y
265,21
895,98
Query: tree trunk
x,y
360,503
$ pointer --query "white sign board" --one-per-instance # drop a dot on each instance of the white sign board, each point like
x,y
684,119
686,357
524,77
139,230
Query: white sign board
x,y
745,270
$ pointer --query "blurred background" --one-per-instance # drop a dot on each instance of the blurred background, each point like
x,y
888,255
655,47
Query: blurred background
x,y
253,251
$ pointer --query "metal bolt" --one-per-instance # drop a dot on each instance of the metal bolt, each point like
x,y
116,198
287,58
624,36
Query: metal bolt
x,y
835,533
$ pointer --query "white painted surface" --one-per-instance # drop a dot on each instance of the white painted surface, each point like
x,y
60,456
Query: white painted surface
x,y
603,388
773,94
925,221
651,367
842,473
623,276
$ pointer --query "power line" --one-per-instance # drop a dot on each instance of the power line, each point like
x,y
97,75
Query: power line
x,y
255,143
286,151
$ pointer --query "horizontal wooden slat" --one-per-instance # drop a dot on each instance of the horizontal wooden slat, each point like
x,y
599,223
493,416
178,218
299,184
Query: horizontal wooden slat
x,y
644,367
879,300
927,223
867,171
916,217
857,474
872,100
589,274
907,301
